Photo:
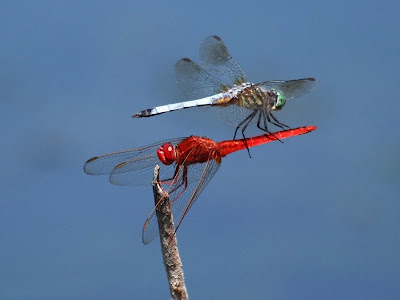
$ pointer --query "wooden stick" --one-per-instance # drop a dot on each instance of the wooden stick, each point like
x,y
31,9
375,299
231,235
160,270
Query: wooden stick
x,y
169,244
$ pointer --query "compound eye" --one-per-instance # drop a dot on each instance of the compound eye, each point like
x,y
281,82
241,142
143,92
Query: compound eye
x,y
280,101
166,154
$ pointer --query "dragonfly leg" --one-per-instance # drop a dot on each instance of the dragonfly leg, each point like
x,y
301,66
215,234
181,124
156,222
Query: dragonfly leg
x,y
247,122
184,182
251,116
280,123
171,181
174,180
262,114
272,122
265,118
168,181
189,203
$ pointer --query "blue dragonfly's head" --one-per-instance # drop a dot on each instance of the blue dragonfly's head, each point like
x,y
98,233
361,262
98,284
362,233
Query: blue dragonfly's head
x,y
277,99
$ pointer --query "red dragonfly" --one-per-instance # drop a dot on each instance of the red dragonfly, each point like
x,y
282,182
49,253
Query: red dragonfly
x,y
187,165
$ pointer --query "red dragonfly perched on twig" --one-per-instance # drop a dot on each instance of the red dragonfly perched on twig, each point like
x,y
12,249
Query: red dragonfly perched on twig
x,y
187,165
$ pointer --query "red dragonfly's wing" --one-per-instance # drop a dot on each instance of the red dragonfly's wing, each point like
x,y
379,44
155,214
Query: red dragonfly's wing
x,y
181,197
131,167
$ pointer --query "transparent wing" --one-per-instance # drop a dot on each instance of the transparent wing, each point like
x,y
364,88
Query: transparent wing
x,y
291,88
139,171
182,197
234,114
130,167
216,59
196,83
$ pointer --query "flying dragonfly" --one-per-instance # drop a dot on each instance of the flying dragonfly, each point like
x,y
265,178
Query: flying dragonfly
x,y
187,165
222,82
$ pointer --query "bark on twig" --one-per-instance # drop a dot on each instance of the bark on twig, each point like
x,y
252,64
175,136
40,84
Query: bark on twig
x,y
169,246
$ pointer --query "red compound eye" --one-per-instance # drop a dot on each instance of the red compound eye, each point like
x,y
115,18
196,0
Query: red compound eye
x,y
166,153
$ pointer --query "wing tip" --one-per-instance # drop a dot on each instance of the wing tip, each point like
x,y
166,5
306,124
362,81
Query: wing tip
x,y
91,159
86,165
111,180
145,239
217,38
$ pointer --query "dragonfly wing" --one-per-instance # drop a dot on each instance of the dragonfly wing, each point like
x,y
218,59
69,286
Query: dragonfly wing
x,y
291,88
128,167
215,57
182,198
139,171
206,171
194,82
234,114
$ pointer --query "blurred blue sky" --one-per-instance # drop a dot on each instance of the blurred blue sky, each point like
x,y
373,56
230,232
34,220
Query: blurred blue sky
x,y
314,218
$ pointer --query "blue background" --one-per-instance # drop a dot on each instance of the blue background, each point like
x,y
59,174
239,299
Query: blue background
x,y
314,218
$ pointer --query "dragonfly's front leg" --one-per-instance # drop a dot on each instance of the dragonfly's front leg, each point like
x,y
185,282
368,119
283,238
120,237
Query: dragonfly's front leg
x,y
266,118
183,182
171,181
277,122
264,114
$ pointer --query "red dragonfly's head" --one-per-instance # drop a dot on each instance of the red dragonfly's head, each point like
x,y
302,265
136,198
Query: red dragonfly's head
x,y
166,153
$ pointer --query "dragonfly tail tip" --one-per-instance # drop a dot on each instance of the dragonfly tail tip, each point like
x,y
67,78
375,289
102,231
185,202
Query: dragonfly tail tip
x,y
144,113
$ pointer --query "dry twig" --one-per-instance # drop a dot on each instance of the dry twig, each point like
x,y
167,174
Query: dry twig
x,y
169,245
